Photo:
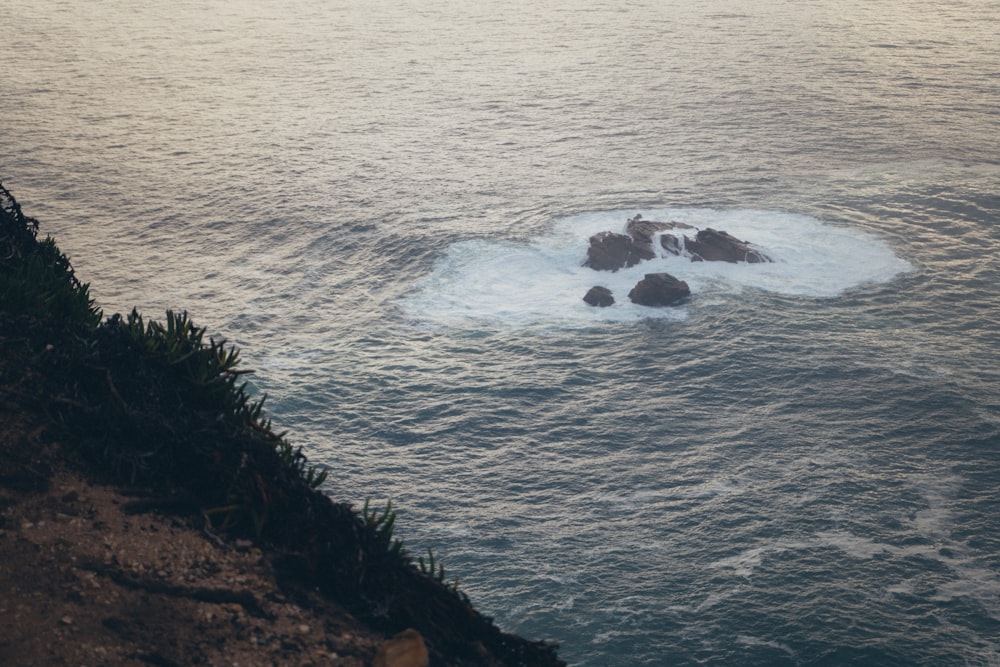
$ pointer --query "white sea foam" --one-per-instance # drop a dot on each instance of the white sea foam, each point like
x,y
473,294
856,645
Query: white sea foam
x,y
972,579
454,529
744,563
861,548
290,361
605,637
902,588
565,604
747,640
543,281
935,521
975,582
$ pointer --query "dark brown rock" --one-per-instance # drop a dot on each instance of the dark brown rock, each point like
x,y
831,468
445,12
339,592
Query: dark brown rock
x,y
714,246
674,244
599,296
642,232
659,289
609,251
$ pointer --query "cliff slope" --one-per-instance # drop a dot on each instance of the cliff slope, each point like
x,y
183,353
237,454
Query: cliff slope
x,y
149,514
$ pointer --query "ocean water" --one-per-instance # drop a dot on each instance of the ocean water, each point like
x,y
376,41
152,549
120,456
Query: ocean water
x,y
387,205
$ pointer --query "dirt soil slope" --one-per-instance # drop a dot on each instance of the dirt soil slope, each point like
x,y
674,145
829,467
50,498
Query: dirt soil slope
x,y
88,577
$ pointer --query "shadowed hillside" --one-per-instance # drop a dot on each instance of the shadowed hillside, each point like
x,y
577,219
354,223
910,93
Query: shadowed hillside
x,y
158,411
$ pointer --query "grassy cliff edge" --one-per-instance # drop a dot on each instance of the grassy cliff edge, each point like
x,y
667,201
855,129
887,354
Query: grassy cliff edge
x,y
160,410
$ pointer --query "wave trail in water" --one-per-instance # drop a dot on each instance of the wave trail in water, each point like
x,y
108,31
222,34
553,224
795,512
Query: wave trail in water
x,y
543,281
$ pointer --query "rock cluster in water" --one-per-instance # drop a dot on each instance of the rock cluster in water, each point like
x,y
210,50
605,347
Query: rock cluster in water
x,y
611,251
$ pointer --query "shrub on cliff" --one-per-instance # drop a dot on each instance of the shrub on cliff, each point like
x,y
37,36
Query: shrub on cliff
x,y
35,277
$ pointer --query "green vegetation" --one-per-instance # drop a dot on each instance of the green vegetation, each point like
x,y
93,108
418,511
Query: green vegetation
x,y
159,405
383,525
35,278
209,370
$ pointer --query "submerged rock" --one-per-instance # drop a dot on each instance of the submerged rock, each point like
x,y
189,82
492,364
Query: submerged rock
x,y
600,297
659,289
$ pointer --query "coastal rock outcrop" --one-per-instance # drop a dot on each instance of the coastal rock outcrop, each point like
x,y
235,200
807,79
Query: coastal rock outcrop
x,y
600,297
611,251
710,245
659,289
643,231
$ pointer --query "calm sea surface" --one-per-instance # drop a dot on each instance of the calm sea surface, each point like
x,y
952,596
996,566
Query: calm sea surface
x,y
386,205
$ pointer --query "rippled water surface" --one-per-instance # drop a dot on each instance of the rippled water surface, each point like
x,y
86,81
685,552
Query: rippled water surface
x,y
387,206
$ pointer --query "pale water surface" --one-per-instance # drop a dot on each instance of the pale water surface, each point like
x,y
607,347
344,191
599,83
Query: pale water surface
x,y
386,205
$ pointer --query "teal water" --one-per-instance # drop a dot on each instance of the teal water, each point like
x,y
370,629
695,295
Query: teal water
x,y
386,206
